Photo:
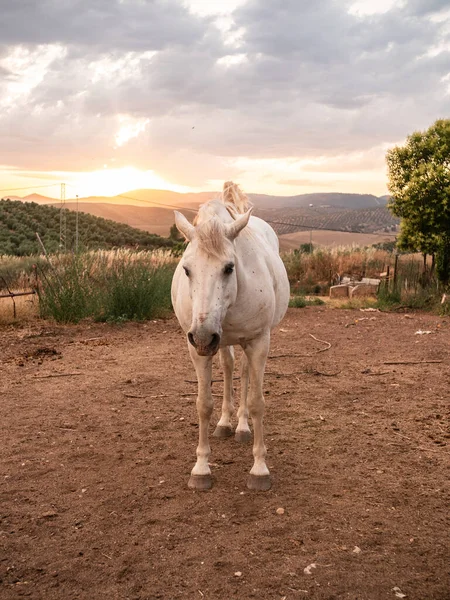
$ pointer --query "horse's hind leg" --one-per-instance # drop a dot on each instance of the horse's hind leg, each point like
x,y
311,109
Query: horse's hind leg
x,y
243,433
257,351
224,428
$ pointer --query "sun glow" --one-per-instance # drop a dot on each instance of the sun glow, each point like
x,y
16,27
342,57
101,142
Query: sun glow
x,y
111,182
102,182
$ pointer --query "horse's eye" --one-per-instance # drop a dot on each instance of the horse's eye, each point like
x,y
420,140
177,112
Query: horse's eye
x,y
228,269
186,270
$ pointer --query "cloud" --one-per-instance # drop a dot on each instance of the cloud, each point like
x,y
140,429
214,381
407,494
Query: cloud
x,y
300,80
99,25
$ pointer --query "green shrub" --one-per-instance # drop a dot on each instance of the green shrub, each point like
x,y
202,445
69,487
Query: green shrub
x,y
107,286
137,292
297,302
301,302
66,292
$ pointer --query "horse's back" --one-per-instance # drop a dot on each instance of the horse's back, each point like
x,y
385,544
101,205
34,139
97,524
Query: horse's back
x,y
264,266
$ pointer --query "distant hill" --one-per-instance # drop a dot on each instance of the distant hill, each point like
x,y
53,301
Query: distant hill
x,y
19,222
170,199
363,220
152,210
148,218
324,237
337,200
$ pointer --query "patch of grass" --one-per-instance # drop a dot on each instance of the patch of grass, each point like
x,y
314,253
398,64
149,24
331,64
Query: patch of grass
x,y
420,296
388,299
66,293
27,309
297,302
355,303
137,292
19,273
302,301
114,286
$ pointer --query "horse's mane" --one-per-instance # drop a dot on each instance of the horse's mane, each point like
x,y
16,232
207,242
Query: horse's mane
x,y
210,223
234,198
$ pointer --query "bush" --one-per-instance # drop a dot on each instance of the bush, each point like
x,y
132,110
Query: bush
x,y
297,302
443,261
137,292
301,302
107,286
66,293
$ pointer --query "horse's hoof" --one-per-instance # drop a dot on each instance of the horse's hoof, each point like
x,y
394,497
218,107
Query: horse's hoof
x,y
200,482
244,437
223,431
259,483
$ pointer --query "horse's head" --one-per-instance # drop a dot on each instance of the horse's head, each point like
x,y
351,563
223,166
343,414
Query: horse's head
x,y
209,264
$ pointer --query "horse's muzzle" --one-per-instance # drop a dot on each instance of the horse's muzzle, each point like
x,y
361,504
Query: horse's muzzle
x,y
205,349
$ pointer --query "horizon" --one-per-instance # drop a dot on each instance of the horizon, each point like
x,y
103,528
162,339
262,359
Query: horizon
x,y
129,200
182,95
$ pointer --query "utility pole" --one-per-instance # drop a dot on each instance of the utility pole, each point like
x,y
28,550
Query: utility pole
x,y
76,229
62,220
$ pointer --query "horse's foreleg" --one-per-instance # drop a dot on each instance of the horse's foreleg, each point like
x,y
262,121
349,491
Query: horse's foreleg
x,y
224,428
257,351
201,473
243,433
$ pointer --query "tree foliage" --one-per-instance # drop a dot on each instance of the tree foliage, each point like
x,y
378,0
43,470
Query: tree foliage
x,y
20,221
419,184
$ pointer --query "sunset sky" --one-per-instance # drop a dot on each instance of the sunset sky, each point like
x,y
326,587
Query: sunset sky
x,y
283,96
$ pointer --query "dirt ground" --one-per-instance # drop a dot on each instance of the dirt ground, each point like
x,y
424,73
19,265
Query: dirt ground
x,y
98,436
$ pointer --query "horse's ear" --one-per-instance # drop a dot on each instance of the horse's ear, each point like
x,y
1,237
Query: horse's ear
x,y
239,224
184,226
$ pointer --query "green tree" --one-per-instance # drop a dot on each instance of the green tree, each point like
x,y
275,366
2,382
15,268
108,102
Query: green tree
x,y
174,234
419,185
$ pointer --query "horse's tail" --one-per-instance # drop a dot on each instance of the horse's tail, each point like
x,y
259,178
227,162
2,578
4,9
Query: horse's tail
x,y
234,198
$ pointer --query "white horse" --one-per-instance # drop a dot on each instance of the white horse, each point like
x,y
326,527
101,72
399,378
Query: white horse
x,y
230,288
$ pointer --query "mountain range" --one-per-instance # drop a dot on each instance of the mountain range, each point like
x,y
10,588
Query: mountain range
x,y
171,199
152,210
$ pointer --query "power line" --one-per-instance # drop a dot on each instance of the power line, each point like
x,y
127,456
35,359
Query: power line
x,y
33,187
318,228
157,203
306,226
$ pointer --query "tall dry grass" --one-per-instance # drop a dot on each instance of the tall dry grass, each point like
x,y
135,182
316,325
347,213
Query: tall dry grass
x,y
314,272
107,286
26,309
124,284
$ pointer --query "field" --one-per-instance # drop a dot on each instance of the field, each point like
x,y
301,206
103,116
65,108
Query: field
x,y
99,431
291,241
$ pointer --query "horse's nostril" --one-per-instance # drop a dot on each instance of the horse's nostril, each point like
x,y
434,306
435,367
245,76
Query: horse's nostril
x,y
215,339
191,340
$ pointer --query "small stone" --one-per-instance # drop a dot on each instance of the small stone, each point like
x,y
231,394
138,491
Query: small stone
x,y
280,511
238,574
356,550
